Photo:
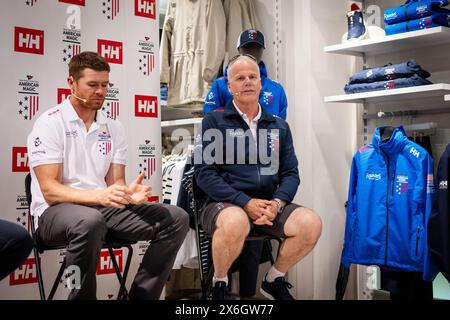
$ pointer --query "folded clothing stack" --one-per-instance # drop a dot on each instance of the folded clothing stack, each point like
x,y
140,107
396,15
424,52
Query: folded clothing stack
x,y
416,15
391,76
164,92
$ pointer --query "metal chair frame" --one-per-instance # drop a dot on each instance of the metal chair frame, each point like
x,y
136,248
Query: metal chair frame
x,y
110,244
204,240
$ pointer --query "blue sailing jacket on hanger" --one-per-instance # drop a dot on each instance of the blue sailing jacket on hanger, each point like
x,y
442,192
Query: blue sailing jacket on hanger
x,y
389,202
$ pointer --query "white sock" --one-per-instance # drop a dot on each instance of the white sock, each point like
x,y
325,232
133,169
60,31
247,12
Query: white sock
x,y
215,279
273,273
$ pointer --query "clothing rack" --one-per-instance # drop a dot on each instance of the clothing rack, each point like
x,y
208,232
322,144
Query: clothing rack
x,y
420,126
404,113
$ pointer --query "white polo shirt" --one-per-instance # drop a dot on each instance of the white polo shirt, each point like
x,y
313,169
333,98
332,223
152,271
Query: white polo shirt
x,y
60,136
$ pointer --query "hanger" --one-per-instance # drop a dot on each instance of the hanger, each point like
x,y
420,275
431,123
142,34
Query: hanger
x,y
386,133
421,129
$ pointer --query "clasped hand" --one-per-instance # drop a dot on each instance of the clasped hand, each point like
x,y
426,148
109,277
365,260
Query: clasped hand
x,y
261,211
118,196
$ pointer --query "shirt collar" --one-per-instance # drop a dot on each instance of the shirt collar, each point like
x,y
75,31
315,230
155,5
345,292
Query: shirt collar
x,y
242,114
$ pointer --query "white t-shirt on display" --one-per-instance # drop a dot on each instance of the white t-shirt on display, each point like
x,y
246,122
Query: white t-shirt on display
x,y
60,136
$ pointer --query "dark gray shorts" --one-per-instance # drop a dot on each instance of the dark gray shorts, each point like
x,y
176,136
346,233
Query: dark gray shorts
x,y
209,214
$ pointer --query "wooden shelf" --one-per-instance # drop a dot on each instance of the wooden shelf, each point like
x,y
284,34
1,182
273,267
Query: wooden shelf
x,y
426,91
397,42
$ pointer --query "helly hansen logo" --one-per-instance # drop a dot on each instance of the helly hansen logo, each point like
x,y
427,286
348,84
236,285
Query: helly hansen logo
x,y
414,152
145,8
146,106
20,159
77,2
112,51
62,94
105,264
443,185
28,40
24,274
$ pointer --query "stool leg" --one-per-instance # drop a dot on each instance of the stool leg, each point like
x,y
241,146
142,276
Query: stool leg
x,y
58,278
269,252
39,273
123,293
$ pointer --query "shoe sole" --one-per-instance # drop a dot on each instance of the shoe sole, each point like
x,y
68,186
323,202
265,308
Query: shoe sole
x,y
266,294
361,37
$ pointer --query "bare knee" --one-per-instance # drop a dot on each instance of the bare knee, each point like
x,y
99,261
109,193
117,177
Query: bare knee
x,y
233,222
304,223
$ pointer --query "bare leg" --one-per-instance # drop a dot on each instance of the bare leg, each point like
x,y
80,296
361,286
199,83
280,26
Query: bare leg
x,y
232,227
303,229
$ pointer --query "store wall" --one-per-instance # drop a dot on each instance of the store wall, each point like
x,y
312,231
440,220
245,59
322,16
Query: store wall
x,y
38,40
324,134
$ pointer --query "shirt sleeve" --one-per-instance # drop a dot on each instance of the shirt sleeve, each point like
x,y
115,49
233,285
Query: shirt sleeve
x,y
45,143
212,98
283,104
120,144
288,170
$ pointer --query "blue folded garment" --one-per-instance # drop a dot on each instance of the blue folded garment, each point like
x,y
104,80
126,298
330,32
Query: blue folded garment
x,y
164,91
413,81
415,9
436,20
389,72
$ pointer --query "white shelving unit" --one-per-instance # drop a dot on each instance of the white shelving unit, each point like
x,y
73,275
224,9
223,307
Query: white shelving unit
x,y
181,122
386,45
426,91
393,43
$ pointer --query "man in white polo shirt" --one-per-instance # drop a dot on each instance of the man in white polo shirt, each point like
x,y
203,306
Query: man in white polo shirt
x,y
77,158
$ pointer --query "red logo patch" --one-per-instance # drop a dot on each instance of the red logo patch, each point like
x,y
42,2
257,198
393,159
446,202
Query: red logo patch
x,y
146,106
145,8
28,40
77,2
105,264
112,51
20,159
24,274
62,94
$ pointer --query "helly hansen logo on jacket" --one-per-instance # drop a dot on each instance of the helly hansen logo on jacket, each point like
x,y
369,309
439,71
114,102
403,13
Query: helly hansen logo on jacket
x,y
415,153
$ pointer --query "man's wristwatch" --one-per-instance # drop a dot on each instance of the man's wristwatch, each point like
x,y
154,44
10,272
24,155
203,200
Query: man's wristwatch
x,y
280,205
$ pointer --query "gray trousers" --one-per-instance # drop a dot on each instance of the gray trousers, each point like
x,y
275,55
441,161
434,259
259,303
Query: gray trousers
x,y
83,230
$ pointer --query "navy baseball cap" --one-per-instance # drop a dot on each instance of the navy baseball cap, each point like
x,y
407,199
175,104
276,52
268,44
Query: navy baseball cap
x,y
251,36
